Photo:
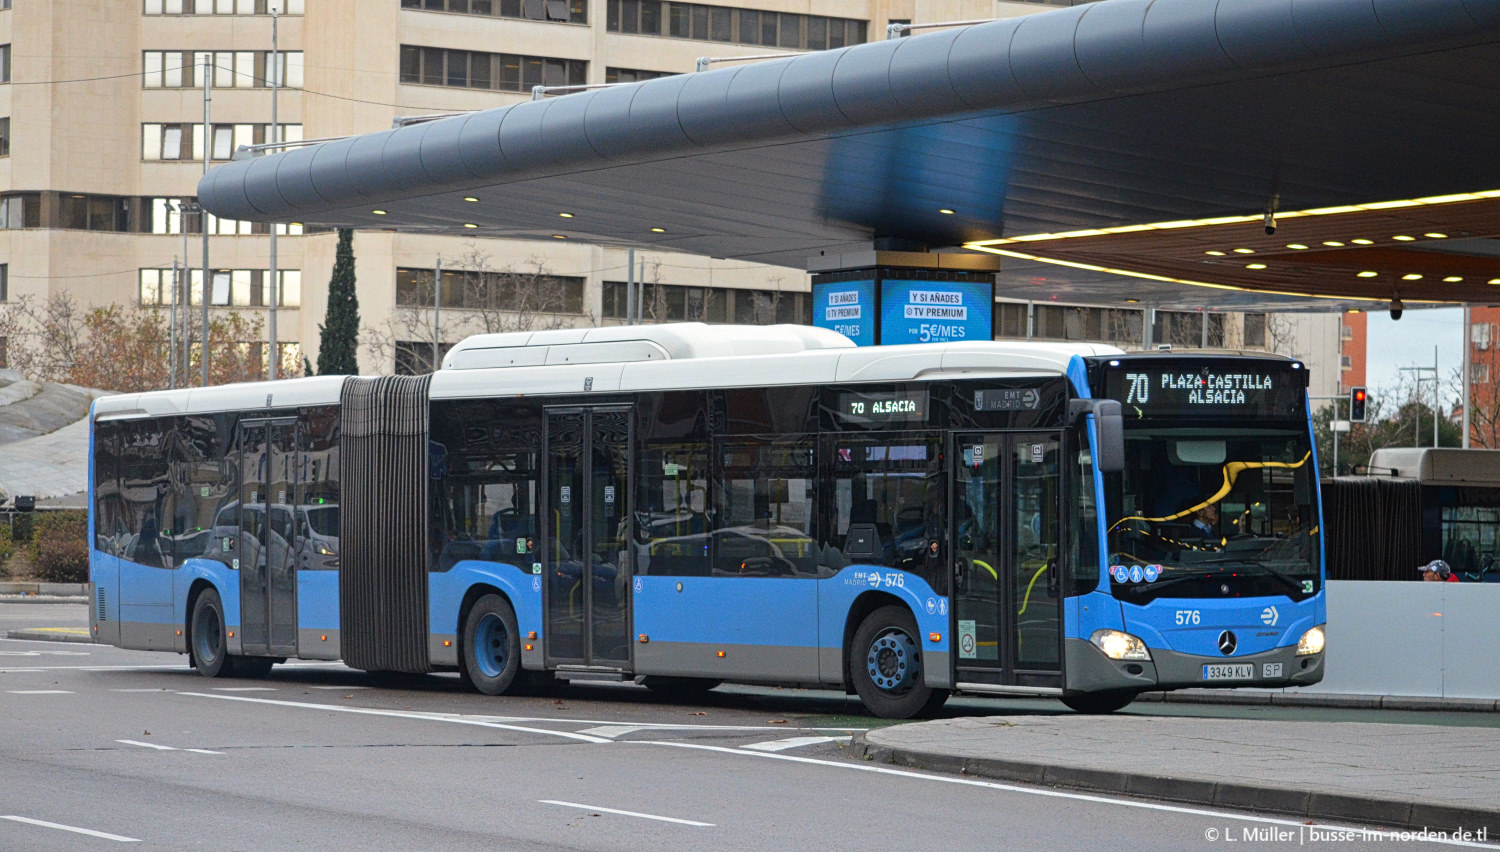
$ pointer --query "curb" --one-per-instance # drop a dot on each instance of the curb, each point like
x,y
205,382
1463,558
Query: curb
x,y
53,634
42,599
1324,699
1307,803
44,589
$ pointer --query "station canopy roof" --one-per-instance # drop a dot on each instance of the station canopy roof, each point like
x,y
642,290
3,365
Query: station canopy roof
x,y
1146,137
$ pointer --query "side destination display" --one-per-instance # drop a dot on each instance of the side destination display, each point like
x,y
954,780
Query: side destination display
x,y
1241,390
883,407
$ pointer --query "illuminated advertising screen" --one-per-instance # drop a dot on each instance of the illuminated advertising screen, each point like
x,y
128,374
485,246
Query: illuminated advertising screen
x,y
847,307
936,311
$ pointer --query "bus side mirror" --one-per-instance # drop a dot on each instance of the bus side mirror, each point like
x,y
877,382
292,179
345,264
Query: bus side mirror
x,y
1109,455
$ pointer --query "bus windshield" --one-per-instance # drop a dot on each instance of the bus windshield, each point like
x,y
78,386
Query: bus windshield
x,y
1213,512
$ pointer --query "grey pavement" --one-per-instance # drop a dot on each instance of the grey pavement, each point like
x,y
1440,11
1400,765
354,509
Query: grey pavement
x,y
1389,775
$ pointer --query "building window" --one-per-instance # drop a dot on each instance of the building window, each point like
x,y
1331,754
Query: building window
x,y
1255,331
472,69
236,288
232,69
512,292
739,26
4,282
185,141
414,357
4,63
1479,374
1185,329
21,210
632,75
673,302
79,212
557,11
5,136
1060,322
218,7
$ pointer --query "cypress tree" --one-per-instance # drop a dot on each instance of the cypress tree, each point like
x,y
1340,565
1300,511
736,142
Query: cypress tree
x,y
339,339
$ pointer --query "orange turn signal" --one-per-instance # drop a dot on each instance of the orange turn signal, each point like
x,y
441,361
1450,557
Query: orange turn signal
x,y
645,638
936,637
721,654
531,634
528,647
447,643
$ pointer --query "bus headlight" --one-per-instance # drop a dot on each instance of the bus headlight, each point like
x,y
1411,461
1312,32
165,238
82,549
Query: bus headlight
x,y
1120,646
1311,642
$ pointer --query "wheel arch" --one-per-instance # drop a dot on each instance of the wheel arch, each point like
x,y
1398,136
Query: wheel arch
x,y
858,611
197,588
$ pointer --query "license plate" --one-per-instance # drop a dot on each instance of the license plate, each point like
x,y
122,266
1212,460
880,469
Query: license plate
x,y
1231,671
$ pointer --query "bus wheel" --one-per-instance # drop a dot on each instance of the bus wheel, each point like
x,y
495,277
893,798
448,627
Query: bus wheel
x,y
1097,703
491,646
207,649
885,659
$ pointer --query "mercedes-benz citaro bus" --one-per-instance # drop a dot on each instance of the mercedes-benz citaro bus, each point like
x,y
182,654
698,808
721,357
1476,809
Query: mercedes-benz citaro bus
x,y
683,505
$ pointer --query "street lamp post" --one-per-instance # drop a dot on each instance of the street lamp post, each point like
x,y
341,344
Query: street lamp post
x,y
275,75
1436,398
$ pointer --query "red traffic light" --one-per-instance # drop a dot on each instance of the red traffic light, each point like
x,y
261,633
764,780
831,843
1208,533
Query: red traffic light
x,y
1357,400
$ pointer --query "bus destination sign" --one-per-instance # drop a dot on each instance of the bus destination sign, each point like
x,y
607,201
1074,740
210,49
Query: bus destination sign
x,y
883,407
1239,390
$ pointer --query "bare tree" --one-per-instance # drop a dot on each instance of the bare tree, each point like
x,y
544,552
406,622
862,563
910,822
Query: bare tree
x,y
120,347
477,298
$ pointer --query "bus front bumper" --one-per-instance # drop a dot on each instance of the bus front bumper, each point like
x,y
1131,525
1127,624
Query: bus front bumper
x,y
1086,669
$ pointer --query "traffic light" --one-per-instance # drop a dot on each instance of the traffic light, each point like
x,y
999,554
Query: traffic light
x,y
1357,400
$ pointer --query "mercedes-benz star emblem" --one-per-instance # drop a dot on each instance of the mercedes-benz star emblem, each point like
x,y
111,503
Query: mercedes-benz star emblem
x,y
1227,643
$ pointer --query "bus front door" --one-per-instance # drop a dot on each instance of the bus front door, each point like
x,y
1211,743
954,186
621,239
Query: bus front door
x,y
268,582
1006,506
585,541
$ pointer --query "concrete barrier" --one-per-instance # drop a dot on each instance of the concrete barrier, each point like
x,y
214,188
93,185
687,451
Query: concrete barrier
x,y
1433,640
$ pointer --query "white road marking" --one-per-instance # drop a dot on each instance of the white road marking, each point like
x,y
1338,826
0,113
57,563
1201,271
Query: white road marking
x,y
611,731
152,689
76,830
627,813
177,667
451,718
1033,791
244,689
792,742
146,745
159,747
338,687
40,691
48,653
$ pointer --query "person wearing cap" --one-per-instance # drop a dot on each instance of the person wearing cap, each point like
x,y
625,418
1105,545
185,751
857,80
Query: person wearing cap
x,y
1437,571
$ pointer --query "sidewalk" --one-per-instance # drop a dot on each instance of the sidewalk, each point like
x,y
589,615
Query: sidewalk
x,y
1388,775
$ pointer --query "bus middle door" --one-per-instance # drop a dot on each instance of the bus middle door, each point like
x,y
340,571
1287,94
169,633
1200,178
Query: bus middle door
x,y
1006,508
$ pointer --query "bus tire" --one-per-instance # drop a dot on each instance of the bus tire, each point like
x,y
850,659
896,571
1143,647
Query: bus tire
x,y
207,648
1098,703
885,660
491,652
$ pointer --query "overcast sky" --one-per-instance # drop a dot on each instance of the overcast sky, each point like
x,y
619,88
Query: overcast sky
x,y
1408,342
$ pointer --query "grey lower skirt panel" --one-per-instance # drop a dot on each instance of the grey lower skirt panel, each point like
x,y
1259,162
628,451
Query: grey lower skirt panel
x,y
744,663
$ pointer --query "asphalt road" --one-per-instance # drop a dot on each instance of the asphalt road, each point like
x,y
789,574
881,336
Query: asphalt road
x,y
105,747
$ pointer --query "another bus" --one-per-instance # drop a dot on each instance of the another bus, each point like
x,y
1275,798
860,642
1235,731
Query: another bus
x,y
1414,505
683,505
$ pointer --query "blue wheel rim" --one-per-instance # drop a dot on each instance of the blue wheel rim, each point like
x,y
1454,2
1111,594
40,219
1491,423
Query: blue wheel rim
x,y
491,646
894,662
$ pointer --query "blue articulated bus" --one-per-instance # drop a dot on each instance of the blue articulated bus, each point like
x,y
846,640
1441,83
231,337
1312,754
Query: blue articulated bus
x,y
683,505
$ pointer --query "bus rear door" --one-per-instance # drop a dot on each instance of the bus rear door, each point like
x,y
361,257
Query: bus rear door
x,y
1006,510
268,587
585,546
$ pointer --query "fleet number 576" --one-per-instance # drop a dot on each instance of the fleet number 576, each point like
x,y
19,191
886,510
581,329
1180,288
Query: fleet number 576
x,y
1187,617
